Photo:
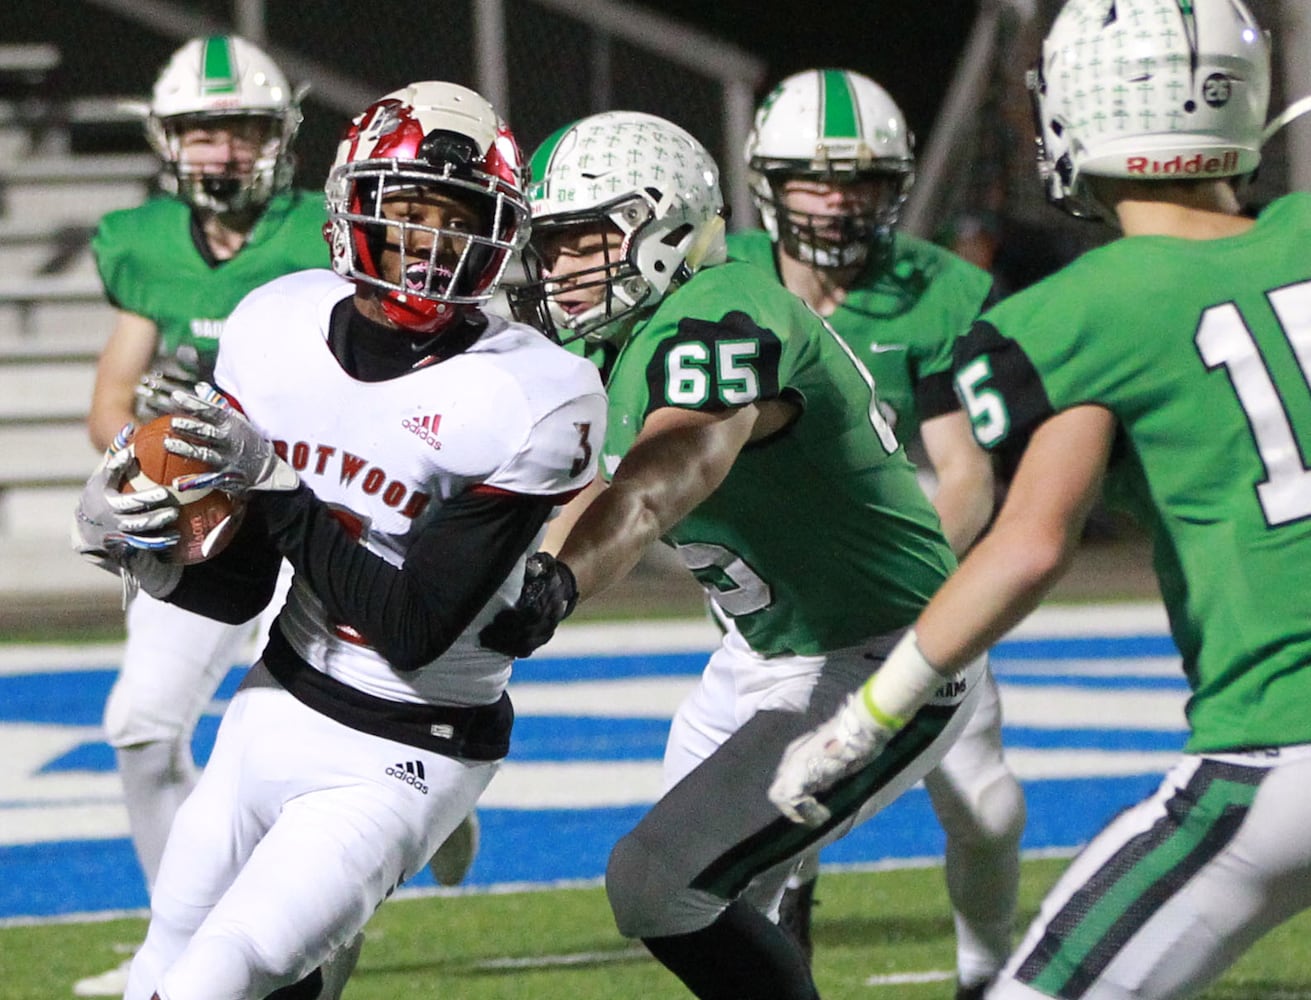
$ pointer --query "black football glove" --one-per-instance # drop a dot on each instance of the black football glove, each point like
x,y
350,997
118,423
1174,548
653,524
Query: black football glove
x,y
548,597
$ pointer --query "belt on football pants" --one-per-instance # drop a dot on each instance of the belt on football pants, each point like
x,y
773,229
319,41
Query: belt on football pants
x,y
474,732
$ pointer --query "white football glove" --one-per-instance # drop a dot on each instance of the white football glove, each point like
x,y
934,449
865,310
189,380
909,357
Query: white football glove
x,y
814,762
214,432
130,534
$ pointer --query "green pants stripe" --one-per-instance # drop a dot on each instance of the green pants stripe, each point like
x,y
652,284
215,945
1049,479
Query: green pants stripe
x,y
732,871
1093,926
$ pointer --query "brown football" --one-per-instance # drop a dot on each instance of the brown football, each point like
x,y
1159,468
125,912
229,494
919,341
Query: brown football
x,y
207,519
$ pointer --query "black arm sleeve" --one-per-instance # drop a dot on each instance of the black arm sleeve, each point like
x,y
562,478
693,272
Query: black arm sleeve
x,y
411,614
237,583
935,395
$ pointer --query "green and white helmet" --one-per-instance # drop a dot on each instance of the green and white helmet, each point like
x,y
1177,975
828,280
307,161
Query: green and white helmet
x,y
218,78
1148,90
655,182
837,126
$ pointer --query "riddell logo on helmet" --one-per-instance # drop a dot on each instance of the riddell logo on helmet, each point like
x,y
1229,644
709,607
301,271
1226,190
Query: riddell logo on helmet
x,y
1194,166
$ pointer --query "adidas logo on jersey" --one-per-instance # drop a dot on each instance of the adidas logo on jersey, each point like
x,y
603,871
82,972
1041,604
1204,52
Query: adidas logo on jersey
x,y
425,429
411,772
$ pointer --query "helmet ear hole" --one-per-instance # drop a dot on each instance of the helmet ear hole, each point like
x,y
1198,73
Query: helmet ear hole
x,y
676,236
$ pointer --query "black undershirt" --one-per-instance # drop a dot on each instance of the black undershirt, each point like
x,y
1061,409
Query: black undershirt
x,y
411,614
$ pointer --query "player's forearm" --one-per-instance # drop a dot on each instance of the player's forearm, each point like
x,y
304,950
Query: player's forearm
x,y
997,585
964,506
991,593
411,613
1039,526
608,540
964,496
559,527
112,406
677,462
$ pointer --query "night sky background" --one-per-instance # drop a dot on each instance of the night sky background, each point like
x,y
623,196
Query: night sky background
x,y
909,48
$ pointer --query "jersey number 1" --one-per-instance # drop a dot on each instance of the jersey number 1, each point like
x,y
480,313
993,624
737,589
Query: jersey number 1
x,y
1224,340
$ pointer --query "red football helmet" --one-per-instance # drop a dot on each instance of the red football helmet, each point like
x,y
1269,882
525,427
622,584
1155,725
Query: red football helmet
x,y
440,138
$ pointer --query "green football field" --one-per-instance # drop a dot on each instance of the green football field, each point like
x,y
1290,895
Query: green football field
x,y
878,935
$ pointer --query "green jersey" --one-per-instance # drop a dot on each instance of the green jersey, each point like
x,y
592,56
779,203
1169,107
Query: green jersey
x,y
1201,349
901,318
820,536
150,264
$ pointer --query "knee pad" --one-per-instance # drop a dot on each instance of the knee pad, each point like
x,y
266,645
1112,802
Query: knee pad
x,y
632,886
651,897
127,723
231,965
990,813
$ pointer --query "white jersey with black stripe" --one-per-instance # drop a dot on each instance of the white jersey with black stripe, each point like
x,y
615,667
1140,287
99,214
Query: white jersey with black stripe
x,y
513,413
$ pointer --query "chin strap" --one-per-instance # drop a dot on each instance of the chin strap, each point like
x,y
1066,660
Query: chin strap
x,y
1295,110
708,247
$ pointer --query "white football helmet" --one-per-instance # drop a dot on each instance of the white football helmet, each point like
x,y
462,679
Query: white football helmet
x,y
214,79
650,178
830,125
427,135
1148,90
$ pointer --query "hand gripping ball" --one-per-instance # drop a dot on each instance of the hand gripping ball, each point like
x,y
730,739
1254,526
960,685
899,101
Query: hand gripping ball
x,y
207,518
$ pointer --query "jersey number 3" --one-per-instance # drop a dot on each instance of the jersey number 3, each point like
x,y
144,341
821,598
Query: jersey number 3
x,y
1224,340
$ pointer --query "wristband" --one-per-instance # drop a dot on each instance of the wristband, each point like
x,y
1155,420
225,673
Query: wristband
x,y
901,686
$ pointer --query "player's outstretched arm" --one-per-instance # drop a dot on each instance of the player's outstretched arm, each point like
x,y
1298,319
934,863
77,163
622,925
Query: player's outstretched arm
x,y
999,582
679,458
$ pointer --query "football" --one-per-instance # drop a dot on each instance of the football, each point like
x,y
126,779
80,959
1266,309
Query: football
x,y
207,519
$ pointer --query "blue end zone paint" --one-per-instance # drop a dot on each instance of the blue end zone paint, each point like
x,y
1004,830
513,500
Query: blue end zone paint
x,y
1102,647
552,845
544,738
74,698
71,698
607,668
1138,740
1117,682
533,846
577,668
99,756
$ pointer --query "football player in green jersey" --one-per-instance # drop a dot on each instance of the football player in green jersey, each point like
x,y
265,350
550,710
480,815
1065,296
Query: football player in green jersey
x,y
1171,365
830,162
223,119
746,434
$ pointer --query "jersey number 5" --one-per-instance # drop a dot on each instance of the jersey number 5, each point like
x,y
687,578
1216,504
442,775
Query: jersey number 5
x,y
1224,340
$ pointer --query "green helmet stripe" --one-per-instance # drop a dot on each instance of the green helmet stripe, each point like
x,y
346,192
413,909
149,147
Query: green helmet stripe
x,y
838,106
541,160
217,72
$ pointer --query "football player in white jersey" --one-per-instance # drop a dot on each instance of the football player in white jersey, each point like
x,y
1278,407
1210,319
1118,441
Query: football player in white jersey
x,y
403,449
223,119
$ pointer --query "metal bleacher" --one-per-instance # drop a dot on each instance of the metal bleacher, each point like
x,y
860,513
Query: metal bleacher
x,y
53,321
